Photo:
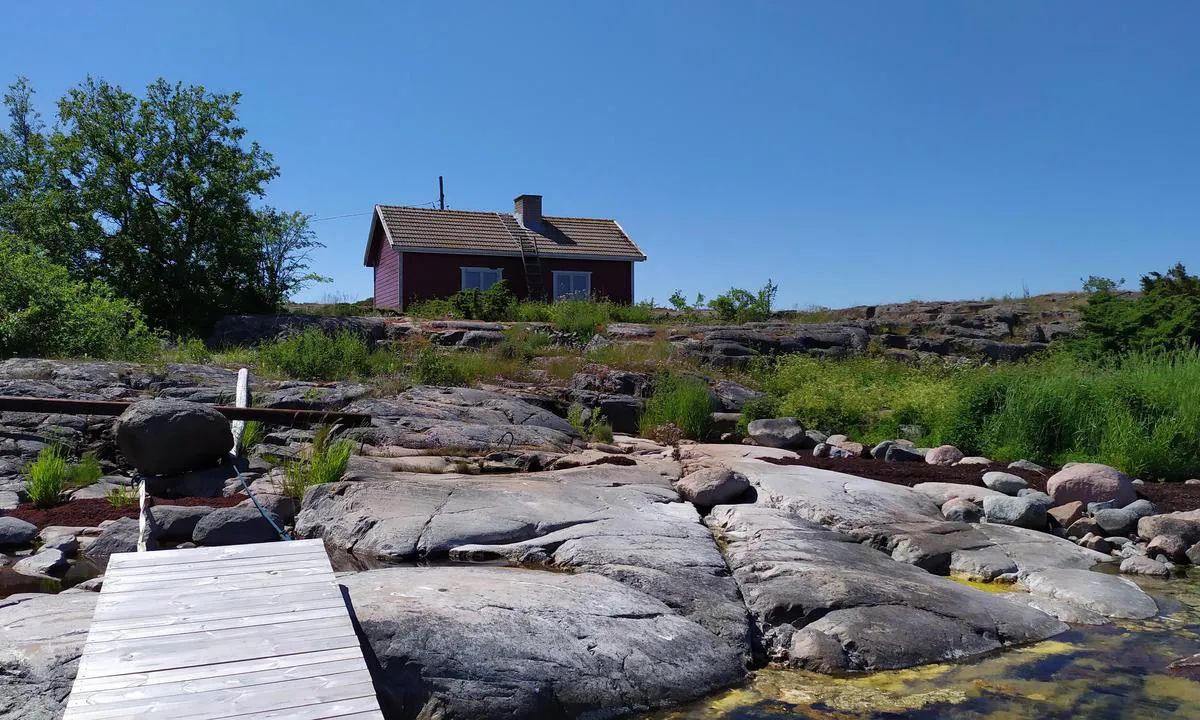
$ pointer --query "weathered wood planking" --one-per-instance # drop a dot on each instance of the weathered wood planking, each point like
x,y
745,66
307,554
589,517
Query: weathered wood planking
x,y
245,631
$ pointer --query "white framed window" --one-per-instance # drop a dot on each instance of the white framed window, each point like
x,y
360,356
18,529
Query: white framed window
x,y
572,284
477,278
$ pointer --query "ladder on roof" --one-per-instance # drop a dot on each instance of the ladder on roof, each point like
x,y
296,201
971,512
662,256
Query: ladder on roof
x,y
531,261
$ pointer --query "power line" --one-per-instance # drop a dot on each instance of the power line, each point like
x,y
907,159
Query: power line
x,y
430,204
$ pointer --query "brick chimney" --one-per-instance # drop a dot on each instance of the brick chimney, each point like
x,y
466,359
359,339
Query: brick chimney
x,y
528,209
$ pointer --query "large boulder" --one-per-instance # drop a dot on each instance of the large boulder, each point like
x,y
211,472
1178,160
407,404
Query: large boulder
x,y
523,644
1184,524
234,526
178,522
1019,511
779,433
1091,482
712,486
15,532
165,437
40,645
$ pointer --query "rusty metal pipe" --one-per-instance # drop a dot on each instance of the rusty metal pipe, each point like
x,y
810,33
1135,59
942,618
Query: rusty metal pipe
x,y
273,416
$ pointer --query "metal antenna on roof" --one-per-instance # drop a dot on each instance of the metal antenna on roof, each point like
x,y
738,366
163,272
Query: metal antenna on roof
x,y
441,194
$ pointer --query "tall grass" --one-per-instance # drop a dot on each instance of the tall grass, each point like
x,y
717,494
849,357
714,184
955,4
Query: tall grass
x,y
47,477
316,355
1140,413
325,462
866,397
84,472
682,401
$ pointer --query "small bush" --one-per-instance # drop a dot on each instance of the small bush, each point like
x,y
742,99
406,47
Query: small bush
x,y
684,402
521,344
435,309
193,351
581,317
433,368
84,472
740,305
45,313
47,477
325,462
315,355
762,407
591,425
495,303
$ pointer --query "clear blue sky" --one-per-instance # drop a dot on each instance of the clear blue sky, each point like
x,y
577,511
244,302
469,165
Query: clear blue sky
x,y
855,152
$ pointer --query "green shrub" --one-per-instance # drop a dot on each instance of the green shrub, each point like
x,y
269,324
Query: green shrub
x,y
762,407
685,402
433,368
325,462
740,305
435,309
316,355
47,477
591,425
582,317
1140,415
45,313
521,344
495,303
192,350
865,397
1165,316
84,472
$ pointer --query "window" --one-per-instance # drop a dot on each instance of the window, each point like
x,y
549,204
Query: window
x,y
572,284
480,278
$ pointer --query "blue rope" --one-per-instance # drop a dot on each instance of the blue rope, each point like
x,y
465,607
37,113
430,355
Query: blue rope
x,y
266,516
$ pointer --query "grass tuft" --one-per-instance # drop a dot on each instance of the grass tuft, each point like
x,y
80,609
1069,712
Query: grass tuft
x,y
683,402
325,462
47,477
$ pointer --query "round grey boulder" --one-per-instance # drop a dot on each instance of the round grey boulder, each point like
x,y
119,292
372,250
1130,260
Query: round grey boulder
x,y
14,531
712,486
234,526
1142,565
1006,483
164,436
1116,521
778,433
1020,511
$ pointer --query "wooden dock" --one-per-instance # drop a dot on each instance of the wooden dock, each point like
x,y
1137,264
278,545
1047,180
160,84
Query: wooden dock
x,y
244,631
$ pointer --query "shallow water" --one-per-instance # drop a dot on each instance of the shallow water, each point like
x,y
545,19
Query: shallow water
x,y
12,582
1114,671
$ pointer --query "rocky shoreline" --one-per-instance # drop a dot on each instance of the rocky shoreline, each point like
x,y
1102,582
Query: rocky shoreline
x,y
497,565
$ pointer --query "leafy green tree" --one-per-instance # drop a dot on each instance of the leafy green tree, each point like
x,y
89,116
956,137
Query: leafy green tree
x,y
168,183
1165,316
154,195
35,203
286,241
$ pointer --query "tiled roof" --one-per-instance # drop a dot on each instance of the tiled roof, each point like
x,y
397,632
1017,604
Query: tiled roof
x,y
419,229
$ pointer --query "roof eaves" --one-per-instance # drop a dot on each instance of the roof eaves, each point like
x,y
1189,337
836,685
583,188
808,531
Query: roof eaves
x,y
631,242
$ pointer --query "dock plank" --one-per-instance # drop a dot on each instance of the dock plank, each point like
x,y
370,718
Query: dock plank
x,y
232,632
